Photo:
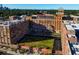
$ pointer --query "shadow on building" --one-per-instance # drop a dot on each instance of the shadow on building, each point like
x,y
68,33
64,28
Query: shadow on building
x,y
39,29
37,32
57,48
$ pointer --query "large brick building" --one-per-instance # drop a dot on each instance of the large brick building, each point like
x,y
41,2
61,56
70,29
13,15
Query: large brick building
x,y
13,30
46,24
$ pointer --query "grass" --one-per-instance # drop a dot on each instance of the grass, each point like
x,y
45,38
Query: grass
x,y
38,42
56,34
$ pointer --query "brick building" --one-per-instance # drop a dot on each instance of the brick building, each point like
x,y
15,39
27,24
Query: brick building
x,y
46,24
12,31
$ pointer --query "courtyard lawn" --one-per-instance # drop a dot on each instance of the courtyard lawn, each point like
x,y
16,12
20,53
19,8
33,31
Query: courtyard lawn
x,y
38,42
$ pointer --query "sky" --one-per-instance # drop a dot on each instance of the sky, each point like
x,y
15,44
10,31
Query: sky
x,y
43,6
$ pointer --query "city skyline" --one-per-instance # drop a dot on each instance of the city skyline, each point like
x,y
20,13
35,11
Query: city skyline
x,y
43,6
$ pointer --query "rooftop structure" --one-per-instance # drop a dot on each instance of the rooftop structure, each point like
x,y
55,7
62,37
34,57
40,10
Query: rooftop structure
x,y
75,48
72,35
43,16
8,23
17,17
60,11
70,25
67,17
75,26
67,22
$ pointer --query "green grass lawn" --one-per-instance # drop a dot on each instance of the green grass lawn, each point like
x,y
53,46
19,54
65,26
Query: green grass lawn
x,y
56,34
38,42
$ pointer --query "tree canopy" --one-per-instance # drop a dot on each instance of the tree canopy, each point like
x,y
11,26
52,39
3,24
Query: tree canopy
x,y
9,12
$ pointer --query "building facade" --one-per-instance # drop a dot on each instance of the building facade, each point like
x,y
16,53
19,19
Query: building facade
x,y
12,31
69,36
46,24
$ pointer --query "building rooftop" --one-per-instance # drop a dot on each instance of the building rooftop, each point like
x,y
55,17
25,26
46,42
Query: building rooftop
x,y
10,22
69,27
74,16
72,26
72,35
75,48
67,22
43,16
75,26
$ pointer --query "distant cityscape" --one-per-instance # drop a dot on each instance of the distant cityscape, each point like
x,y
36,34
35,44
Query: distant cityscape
x,y
39,32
